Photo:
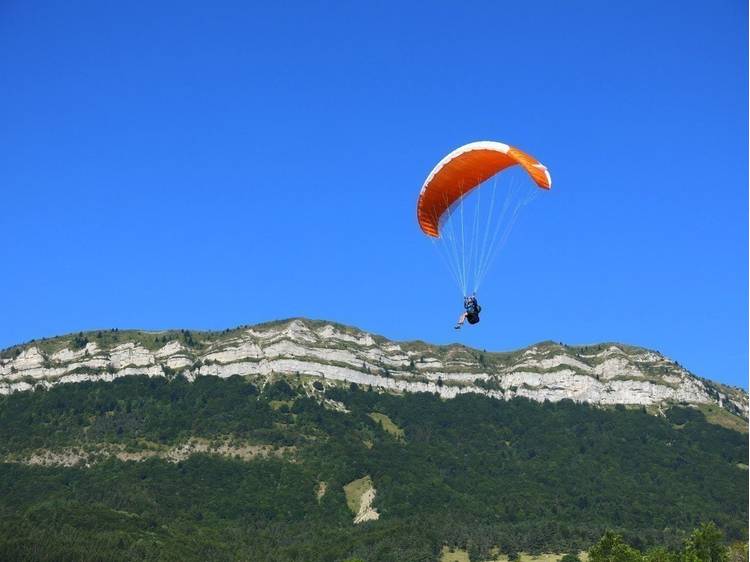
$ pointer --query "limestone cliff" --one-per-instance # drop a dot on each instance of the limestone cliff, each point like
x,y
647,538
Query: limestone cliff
x,y
604,374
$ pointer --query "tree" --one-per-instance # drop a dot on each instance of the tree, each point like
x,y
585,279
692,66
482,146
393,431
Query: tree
x,y
611,548
661,554
705,544
738,552
79,342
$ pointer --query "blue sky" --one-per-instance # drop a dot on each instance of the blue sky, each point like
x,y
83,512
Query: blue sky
x,y
208,165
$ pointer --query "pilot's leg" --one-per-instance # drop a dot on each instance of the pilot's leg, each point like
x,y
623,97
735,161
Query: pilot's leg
x,y
461,320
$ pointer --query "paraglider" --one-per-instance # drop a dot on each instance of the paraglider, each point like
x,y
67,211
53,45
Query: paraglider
x,y
467,231
471,312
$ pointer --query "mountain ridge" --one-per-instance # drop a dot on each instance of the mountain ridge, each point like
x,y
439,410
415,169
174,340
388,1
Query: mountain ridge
x,y
603,374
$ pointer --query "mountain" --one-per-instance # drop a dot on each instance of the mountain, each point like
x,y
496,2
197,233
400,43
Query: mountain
x,y
603,374
314,443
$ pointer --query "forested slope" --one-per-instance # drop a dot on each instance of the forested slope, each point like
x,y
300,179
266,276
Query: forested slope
x,y
223,469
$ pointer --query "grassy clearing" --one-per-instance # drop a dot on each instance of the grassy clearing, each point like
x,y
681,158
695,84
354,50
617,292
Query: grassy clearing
x,y
355,490
387,424
454,555
646,377
276,404
458,555
719,416
655,410
544,557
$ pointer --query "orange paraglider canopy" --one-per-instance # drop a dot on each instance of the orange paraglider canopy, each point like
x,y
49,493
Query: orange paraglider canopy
x,y
464,169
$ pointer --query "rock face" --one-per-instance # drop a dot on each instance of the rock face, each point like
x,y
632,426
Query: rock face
x,y
603,374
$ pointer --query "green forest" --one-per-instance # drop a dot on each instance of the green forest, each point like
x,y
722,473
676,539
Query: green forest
x,y
472,473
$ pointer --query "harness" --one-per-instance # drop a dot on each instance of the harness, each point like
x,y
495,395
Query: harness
x,y
471,306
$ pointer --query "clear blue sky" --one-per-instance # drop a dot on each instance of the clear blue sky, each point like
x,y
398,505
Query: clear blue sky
x,y
205,165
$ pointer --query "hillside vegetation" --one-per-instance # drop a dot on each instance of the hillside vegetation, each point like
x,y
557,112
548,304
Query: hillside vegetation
x,y
262,472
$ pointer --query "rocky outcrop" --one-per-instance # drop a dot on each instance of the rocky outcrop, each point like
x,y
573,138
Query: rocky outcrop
x,y
77,456
602,374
